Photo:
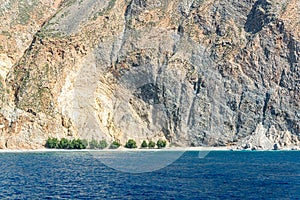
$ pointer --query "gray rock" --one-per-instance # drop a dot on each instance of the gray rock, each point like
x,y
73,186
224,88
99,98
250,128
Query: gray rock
x,y
276,147
204,72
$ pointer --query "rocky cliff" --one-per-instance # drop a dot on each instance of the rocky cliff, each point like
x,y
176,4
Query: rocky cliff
x,y
194,72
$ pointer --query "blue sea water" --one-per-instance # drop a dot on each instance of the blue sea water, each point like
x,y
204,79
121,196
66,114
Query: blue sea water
x,y
220,175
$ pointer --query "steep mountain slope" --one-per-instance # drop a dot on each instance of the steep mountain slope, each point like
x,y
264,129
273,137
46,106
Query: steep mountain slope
x,y
194,72
20,20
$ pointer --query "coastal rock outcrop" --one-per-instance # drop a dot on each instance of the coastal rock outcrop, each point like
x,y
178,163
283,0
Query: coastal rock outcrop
x,y
268,139
202,73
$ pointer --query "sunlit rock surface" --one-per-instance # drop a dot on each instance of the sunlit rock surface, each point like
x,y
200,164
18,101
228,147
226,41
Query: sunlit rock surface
x,y
201,73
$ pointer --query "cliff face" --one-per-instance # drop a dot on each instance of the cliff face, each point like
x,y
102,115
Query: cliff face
x,y
193,72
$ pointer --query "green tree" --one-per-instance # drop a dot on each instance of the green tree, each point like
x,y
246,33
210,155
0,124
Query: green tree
x,y
85,142
52,143
144,144
151,144
161,143
72,144
76,144
64,143
130,144
94,144
79,144
102,144
82,145
115,145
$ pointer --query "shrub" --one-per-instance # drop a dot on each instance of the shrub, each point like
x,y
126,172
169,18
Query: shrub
x,y
85,142
161,143
82,144
78,144
52,143
72,144
64,143
144,144
102,144
130,144
115,145
93,144
151,144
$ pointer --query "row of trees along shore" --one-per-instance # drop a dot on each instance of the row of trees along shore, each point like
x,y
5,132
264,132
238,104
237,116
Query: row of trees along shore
x,y
54,143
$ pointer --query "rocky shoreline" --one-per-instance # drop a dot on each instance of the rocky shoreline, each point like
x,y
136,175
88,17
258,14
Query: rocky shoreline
x,y
122,149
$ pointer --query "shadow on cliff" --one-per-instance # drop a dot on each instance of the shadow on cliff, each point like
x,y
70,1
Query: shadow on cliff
x,y
258,17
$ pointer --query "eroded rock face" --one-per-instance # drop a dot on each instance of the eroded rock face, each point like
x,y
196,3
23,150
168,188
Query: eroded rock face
x,y
20,20
192,72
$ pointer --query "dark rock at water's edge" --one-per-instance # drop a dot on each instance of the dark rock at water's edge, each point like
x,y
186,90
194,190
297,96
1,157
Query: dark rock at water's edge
x,y
276,147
